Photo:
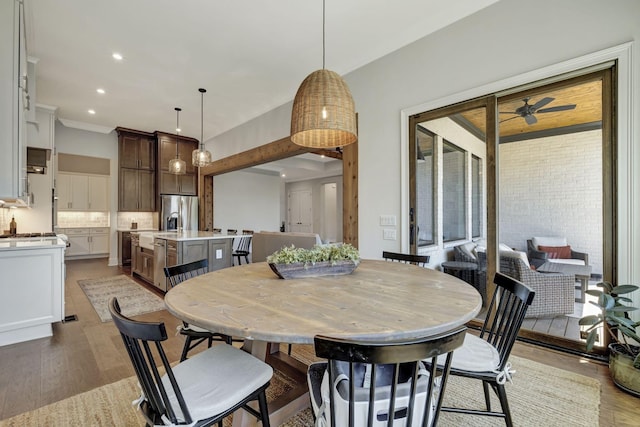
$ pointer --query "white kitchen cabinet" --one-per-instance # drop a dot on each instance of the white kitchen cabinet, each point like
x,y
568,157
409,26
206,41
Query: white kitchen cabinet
x,y
77,192
87,242
99,241
31,290
13,97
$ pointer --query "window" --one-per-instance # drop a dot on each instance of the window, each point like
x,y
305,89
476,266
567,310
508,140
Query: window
x,y
424,186
476,196
454,212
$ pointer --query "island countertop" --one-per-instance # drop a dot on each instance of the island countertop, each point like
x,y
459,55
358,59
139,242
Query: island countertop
x,y
186,235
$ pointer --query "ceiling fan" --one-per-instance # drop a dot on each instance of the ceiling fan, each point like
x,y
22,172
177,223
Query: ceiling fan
x,y
528,110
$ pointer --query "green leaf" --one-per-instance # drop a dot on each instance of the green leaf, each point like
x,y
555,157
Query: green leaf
x,y
606,301
594,292
624,289
591,339
622,309
589,320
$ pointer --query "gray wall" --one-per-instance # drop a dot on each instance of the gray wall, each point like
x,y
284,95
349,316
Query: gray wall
x,y
492,45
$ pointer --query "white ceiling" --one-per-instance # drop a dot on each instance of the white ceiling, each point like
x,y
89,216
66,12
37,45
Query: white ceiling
x,y
250,55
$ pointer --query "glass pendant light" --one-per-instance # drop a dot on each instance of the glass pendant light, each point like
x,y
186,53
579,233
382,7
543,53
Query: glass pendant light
x,y
201,157
323,114
177,166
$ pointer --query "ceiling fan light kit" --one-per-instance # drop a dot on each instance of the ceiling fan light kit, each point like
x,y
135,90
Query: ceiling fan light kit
x,y
323,114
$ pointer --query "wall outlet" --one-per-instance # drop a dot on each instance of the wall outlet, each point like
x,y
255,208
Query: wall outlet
x,y
387,220
218,253
389,234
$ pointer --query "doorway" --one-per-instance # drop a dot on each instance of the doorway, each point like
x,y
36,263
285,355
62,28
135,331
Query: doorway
x,y
548,175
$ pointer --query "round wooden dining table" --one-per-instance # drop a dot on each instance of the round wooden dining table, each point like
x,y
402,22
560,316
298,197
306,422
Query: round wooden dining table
x,y
380,300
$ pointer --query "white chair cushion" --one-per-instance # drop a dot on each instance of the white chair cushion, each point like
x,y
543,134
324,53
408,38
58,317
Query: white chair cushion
x,y
193,328
504,247
216,379
566,261
549,241
517,255
475,355
468,250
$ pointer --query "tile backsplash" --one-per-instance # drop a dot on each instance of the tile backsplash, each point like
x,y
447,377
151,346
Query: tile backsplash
x,y
83,219
145,220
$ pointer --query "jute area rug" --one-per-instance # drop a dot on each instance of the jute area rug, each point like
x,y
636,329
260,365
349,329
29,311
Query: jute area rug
x,y
133,298
539,396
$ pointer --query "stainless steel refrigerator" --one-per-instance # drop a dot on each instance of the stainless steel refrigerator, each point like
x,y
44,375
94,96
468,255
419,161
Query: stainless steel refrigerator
x,y
178,213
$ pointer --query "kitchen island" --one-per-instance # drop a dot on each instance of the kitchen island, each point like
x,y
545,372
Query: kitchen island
x,y
152,251
32,287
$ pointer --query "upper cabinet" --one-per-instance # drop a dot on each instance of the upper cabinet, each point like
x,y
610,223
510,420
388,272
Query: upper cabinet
x,y
77,192
136,149
176,184
137,175
13,100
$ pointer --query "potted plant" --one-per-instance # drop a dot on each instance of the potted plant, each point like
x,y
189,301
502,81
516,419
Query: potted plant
x,y
291,262
624,350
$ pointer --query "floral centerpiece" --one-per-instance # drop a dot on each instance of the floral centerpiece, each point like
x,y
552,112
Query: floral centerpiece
x,y
322,260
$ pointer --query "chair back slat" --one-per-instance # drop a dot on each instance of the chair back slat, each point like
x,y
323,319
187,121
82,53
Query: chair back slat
x,y
421,260
136,337
179,273
511,300
403,359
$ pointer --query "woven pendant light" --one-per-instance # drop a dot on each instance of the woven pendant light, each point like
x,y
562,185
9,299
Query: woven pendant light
x,y
177,166
323,114
201,157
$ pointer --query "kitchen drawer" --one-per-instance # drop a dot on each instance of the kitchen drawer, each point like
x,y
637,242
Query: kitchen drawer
x,y
76,231
100,230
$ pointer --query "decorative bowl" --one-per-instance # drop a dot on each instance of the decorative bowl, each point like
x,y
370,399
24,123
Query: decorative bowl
x,y
323,268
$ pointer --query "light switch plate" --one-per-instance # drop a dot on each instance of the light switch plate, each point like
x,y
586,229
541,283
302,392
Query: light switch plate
x,y
389,234
387,220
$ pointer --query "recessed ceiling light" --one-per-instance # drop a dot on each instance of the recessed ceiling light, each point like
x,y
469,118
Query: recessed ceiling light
x,y
283,175
100,91
178,130
91,111
117,56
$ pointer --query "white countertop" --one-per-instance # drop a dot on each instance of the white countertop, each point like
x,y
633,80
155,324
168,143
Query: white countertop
x,y
186,235
191,235
31,243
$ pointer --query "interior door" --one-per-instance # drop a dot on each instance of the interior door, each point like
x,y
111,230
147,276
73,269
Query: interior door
x,y
300,211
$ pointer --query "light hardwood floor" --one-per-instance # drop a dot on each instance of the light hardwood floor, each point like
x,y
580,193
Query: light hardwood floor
x,y
87,353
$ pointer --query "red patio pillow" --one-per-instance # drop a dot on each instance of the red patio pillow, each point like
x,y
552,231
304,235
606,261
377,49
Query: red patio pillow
x,y
557,252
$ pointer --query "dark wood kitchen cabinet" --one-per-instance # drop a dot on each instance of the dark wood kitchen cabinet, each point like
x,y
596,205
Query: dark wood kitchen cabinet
x,y
124,247
168,183
137,176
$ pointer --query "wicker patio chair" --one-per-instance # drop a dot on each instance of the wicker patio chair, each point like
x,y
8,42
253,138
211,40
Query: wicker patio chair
x,y
554,292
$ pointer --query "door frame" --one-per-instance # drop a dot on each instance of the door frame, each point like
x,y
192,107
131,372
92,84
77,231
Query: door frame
x,y
624,243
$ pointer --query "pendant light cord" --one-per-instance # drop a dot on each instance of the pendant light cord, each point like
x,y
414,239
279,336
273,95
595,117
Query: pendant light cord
x,y
201,119
177,130
323,32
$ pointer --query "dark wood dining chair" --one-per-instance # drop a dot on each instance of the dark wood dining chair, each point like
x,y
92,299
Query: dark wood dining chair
x,y
421,260
194,335
202,390
486,357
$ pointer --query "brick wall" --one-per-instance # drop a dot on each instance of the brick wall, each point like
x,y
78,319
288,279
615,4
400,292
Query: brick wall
x,y
553,187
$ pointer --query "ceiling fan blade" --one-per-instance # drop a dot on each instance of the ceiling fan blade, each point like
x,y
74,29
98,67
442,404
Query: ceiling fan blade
x,y
541,103
558,108
510,118
530,119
